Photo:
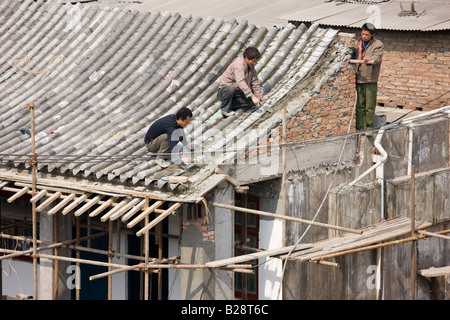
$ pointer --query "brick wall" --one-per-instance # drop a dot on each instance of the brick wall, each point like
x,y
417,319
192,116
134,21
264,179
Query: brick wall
x,y
415,72
328,113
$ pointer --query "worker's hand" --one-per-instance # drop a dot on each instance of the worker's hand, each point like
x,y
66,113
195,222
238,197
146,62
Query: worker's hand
x,y
256,100
366,59
264,98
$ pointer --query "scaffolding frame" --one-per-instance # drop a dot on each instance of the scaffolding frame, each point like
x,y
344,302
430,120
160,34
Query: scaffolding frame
x,y
124,204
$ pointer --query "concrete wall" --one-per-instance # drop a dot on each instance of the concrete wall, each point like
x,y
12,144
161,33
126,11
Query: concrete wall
x,y
361,206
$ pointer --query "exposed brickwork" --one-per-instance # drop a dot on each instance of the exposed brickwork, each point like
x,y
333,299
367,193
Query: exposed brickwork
x,y
327,113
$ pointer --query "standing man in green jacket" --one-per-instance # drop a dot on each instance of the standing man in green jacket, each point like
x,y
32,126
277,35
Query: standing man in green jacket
x,y
370,50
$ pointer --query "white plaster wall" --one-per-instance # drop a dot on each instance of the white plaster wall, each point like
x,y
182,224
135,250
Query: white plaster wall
x,y
174,250
270,237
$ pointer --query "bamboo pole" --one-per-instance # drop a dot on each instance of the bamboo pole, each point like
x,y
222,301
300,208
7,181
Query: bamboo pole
x,y
33,160
110,241
283,180
278,216
56,262
50,246
146,253
433,234
413,233
159,238
77,253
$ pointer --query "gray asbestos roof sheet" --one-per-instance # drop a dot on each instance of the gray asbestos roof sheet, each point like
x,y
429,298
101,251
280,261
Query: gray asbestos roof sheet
x,y
99,77
425,15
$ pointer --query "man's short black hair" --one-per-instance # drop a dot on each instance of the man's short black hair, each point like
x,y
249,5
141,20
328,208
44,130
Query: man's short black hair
x,y
252,53
183,113
369,27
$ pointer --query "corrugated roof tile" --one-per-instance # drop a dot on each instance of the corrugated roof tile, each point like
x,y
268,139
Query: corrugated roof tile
x,y
117,71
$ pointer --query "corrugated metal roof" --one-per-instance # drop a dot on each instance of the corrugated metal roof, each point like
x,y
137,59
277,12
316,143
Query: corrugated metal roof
x,y
393,15
428,15
99,77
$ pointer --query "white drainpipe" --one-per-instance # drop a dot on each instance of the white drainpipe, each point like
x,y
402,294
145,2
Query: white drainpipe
x,y
380,159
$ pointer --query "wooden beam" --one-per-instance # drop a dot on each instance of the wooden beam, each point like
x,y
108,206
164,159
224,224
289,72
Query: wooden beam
x,y
159,218
257,255
88,205
278,216
62,204
38,196
114,210
105,205
47,202
133,211
75,203
361,61
145,213
434,272
18,194
125,208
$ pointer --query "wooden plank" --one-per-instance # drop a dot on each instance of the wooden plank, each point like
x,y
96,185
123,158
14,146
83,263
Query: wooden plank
x,y
105,205
47,202
75,203
435,272
159,218
361,61
125,208
133,211
88,205
3,183
257,255
38,196
145,213
384,231
18,194
62,204
114,210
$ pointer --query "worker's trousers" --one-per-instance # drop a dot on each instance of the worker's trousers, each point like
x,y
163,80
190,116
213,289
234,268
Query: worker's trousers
x,y
366,102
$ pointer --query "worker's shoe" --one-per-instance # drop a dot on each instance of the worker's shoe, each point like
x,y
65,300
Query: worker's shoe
x,y
162,163
226,114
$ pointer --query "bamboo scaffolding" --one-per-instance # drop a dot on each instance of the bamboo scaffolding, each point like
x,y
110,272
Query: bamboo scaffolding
x,y
277,216
33,160
384,231
50,246
146,254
